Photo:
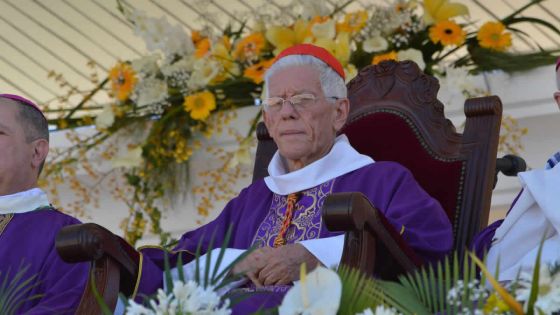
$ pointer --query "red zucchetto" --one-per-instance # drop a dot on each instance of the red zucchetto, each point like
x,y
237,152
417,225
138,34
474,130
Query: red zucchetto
x,y
315,51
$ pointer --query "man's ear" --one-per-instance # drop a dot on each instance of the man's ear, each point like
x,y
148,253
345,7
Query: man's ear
x,y
341,113
40,151
557,98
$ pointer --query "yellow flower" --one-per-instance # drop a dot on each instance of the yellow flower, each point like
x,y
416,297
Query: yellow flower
x,y
283,37
242,155
492,36
200,105
202,47
221,53
440,10
494,304
350,72
249,47
256,71
123,79
196,37
328,44
447,33
515,306
62,124
353,22
392,55
342,49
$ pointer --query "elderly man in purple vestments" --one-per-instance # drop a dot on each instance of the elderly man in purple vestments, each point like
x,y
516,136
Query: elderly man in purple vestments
x,y
513,242
306,106
28,223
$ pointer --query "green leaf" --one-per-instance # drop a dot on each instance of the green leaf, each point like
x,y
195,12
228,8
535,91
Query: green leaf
x,y
535,282
518,11
180,271
209,260
228,268
104,308
221,254
167,272
197,261
528,19
487,60
403,298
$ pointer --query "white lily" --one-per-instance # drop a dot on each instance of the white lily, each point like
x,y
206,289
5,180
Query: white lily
x,y
317,293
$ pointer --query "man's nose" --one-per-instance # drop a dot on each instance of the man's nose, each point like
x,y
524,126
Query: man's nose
x,y
288,110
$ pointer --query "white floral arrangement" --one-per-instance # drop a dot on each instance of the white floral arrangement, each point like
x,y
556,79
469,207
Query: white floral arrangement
x,y
186,298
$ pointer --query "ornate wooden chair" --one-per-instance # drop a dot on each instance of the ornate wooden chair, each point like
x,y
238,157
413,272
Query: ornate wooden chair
x,y
395,116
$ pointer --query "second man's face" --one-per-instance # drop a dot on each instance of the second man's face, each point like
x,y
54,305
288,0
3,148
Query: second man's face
x,y
15,152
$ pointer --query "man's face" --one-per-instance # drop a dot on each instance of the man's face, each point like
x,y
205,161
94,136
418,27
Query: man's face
x,y
303,135
16,155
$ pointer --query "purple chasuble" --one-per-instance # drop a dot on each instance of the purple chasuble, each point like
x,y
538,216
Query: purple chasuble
x,y
257,214
27,239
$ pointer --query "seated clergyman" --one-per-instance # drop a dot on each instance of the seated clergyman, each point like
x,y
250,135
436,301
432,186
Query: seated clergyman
x,y
513,243
306,106
28,222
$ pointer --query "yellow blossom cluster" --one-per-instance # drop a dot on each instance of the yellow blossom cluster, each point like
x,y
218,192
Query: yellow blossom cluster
x,y
511,135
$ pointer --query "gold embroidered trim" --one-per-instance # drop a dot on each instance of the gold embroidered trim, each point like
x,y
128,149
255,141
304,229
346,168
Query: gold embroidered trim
x,y
4,220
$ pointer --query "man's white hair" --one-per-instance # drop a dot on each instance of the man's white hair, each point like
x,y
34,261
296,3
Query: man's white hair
x,y
332,83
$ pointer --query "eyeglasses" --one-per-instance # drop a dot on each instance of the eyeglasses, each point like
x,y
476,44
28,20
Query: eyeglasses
x,y
300,102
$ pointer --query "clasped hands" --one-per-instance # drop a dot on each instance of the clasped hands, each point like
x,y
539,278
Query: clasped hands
x,y
275,266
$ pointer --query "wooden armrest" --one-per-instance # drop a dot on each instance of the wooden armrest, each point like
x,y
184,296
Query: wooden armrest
x,y
92,242
371,245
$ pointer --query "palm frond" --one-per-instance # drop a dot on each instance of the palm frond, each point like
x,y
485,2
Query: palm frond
x,y
426,290
14,292
360,292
